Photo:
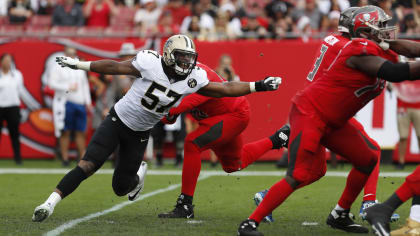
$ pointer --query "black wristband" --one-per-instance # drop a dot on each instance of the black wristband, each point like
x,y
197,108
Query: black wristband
x,y
259,86
394,72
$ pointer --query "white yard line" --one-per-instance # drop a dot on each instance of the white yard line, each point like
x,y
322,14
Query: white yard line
x,y
179,172
70,224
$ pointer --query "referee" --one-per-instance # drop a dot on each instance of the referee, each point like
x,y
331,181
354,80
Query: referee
x,y
11,83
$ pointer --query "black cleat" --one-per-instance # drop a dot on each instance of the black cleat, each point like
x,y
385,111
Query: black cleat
x,y
248,227
379,216
342,220
182,210
281,137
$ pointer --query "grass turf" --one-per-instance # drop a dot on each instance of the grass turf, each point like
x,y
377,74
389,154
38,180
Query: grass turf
x,y
222,202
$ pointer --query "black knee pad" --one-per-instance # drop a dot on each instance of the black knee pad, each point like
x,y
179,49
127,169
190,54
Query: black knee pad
x,y
369,168
292,181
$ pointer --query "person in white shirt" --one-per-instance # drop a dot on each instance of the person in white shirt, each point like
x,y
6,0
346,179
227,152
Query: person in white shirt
x,y
147,17
11,85
162,82
71,98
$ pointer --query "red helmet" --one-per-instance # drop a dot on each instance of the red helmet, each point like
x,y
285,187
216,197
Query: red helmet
x,y
371,22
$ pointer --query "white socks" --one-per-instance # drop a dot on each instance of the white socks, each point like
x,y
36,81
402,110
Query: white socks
x,y
339,208
53,199
415,213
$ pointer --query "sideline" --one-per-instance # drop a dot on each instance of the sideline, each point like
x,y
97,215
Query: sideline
x,y
179,172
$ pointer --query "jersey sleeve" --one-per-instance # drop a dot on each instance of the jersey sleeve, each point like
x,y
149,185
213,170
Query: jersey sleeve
x,y
202,80
145,60
361,47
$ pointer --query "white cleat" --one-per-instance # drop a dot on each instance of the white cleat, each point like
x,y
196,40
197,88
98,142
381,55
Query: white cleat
x,y
133,195
42,212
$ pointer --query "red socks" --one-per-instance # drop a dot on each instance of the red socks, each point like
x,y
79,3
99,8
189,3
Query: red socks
x,y
191,168
404,192
355,183
275,196
372,182
253,151
192,161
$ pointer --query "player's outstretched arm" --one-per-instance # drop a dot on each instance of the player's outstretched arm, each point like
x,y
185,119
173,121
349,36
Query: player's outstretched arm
x,y
406,48
378,67
108,67
237,89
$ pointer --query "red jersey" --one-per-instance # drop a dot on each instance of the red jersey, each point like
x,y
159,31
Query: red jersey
x,y
99,17
340,91
202,107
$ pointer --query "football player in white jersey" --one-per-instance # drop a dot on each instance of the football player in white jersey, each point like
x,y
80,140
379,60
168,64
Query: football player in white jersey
x,y
162,82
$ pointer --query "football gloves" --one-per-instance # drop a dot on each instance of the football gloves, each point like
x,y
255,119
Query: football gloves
x,y
67,62
169,119
268,84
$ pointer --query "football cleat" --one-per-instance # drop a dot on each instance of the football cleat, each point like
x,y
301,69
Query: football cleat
x,y
411,228
248,227
364,206
141,173
181,210
378,217
258,197
342,220
281,137
367,204
42,212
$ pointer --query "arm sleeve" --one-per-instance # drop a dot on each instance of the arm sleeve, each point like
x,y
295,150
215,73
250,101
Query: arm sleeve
x,y
143,60
360,47
188,103
394,72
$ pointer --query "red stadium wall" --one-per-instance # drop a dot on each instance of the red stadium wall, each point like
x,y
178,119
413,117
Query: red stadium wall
x,y
252,60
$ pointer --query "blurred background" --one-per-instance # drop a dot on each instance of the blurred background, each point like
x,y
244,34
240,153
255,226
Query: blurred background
x,y
243,40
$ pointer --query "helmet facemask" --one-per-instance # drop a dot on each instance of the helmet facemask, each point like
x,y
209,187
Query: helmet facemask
x,y
382,31
183,61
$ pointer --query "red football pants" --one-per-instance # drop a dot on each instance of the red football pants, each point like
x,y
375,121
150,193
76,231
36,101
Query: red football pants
x,y
411,186
309,135
307,163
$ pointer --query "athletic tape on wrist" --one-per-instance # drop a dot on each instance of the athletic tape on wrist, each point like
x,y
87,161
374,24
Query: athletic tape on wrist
x,y
83,65
252,87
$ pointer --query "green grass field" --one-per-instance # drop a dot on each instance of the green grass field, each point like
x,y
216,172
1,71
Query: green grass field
x,y
221,203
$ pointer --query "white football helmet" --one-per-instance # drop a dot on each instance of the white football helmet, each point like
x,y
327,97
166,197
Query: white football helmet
x,y
179,53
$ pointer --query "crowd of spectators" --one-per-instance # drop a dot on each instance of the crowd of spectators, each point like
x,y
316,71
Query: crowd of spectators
x,y
209,20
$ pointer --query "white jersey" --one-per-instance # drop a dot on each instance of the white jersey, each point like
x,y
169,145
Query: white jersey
x,y
152,95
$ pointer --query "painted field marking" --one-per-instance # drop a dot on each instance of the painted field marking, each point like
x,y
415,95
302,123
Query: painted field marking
x,y
70,224
179,172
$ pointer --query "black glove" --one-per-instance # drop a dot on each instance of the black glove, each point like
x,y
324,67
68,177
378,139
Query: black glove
x,y
268,84
171,118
